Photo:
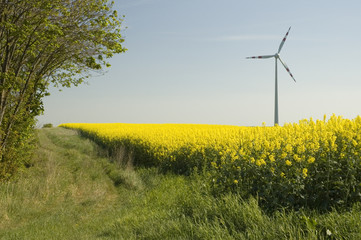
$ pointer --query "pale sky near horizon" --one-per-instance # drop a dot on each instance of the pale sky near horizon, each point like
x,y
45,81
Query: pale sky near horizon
x,y
186,64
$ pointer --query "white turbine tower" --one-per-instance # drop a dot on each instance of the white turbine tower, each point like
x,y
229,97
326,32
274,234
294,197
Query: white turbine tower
x,y
277,57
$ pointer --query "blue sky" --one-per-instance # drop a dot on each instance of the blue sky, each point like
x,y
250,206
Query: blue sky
x,y
186,64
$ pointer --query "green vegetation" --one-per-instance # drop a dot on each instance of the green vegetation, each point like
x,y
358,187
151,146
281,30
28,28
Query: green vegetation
x,y
43,43
69,191
47,125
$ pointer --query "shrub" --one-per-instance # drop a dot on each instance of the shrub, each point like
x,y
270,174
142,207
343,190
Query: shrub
x,y
48,125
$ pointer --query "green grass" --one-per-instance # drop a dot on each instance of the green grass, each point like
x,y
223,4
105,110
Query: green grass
x,y
71,192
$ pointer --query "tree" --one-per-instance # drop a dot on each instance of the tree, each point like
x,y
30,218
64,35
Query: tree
x,y
48,42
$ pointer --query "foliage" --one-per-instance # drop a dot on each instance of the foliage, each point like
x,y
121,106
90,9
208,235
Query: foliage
x,y
20,146
310,164
47,125
47,42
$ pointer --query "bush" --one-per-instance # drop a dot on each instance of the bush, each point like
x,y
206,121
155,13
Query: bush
x,y
19,150
48,125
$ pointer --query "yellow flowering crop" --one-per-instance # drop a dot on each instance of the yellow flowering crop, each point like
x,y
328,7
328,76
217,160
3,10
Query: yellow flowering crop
x,y
311,157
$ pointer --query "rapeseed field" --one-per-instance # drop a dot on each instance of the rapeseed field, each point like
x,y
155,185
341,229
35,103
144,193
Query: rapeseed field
x,y
313,164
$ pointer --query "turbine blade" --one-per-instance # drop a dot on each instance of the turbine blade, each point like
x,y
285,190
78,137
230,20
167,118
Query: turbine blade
x,y
288,70
265,56
283,40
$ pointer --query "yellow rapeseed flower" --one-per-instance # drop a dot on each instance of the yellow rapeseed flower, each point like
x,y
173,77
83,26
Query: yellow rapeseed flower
x,y
311,160
260,162
304,172
297,158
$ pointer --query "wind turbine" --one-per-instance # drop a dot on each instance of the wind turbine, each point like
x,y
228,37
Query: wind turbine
x,y
277,57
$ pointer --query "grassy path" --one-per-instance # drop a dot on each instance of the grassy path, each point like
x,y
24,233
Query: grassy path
x,y
67,192
70,192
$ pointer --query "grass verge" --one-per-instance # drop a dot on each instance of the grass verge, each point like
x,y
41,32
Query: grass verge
x,y
70,192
